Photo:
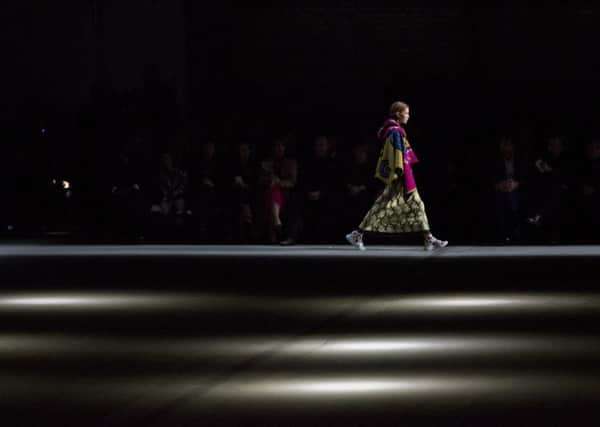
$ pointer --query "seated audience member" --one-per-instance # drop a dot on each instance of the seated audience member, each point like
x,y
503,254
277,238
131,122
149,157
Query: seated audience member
x,y
127,203
589,194
277,186
359,185
319,187
240,198
507,184
551,182
207,189
173,188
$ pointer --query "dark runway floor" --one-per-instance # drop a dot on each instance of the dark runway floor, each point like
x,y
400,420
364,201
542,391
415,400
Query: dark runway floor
x,y
197,335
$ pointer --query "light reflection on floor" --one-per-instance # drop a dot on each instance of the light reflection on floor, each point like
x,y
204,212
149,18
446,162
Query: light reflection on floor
x,y
429,304
361,369
425,387
324,347
265,386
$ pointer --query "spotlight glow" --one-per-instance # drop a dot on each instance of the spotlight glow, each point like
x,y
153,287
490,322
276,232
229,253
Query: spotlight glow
x,y
319,348
343,386
169,301
485,303
472,302
96,301
379,346
53,301
308,306
348,387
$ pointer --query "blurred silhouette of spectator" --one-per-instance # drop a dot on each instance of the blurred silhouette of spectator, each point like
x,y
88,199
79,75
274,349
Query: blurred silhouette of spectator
x,y
277,182
319,187
173,188
240,198
507,181
359,185
589,194
551,184
206,183
127,201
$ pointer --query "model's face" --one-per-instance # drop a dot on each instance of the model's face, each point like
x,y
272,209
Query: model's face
x,y
403,116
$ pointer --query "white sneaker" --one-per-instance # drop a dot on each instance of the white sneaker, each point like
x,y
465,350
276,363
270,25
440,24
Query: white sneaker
x,y
355,239
433,243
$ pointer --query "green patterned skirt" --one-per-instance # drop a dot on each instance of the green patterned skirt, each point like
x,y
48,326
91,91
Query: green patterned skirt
x,y
392,213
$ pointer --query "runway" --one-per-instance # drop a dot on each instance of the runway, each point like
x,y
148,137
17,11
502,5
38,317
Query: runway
x,y
36,249
159,336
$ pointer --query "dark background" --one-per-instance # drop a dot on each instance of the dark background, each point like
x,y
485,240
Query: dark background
x,y
469,73
338,67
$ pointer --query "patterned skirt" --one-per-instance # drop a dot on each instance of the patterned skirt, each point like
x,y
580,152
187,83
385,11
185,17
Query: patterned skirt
x,y
392,213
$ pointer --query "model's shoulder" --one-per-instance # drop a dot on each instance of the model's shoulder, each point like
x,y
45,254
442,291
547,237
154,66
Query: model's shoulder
x,y
396,133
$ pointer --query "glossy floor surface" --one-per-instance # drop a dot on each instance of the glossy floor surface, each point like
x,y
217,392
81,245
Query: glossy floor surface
x,y
207,335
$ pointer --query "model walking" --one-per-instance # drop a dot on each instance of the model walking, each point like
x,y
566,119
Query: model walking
x,y
399,209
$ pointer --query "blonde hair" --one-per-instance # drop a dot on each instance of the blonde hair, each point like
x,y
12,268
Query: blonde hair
x,y
398,107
